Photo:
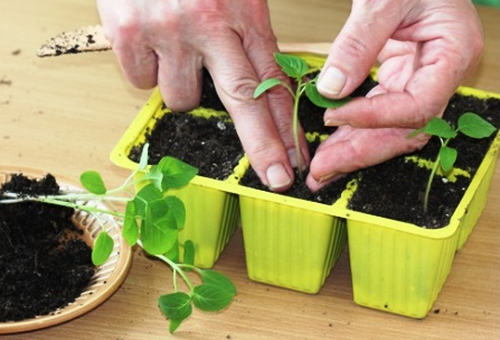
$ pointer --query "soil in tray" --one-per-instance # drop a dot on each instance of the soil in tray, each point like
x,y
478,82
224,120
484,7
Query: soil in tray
x,y
44,265
393,189
327,195
209,144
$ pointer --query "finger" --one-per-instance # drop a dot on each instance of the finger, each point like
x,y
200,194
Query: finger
x,y
357,46
383,110
179,77
136,57
235,81
350,149
260,52
407,99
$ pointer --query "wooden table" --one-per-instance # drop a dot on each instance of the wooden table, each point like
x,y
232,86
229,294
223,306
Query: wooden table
x,y
65,114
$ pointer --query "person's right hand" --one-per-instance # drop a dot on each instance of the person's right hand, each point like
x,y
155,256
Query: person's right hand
x,y
168,42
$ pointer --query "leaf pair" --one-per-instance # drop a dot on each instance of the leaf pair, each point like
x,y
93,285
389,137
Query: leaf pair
x,y
214,294
469,124
297,69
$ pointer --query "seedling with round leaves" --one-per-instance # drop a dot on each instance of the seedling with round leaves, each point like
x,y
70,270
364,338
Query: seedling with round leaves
x,y
297,69
469,124
152,219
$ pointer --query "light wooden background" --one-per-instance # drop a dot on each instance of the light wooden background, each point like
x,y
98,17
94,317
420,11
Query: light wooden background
x,y
65,114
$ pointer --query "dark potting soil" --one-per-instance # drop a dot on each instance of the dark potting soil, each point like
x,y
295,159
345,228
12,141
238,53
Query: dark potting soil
x,y
43,264
212,143
299,189
209,144
393,189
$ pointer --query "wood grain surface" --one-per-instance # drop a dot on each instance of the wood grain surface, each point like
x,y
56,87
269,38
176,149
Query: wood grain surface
x,y
65,114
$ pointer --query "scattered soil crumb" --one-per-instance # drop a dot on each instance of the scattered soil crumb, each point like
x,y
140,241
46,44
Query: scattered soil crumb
x,y
5,81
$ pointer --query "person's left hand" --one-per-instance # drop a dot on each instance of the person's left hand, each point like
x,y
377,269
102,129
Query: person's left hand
x,y
425,49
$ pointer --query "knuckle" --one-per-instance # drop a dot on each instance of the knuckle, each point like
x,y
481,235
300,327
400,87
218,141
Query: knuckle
x,y
262,149
353,46
241,89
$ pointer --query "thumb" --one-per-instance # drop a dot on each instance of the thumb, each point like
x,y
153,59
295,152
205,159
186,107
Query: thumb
x,y
355,50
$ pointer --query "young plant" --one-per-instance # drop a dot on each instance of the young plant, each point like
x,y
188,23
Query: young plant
x,y
297,69
469,124
152,219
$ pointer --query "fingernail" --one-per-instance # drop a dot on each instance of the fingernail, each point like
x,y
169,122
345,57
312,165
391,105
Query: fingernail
x,y
329,177
277,176
331,81
333,122
292,156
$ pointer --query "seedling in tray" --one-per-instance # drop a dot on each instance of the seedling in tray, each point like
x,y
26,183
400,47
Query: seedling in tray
x,y
469,124
296,68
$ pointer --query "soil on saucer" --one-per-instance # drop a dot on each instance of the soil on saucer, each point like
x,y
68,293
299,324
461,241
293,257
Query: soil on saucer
x,y
44,265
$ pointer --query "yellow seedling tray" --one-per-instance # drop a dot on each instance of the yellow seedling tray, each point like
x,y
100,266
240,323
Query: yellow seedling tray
x,y
289,242
396,267
212,212
401,268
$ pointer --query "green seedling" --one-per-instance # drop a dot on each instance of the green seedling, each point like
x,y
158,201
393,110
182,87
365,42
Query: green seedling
x,y
152,219
469,124
297,69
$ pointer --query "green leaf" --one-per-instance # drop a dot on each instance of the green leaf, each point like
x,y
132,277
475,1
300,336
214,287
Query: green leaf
x,y
130,230
415,133
143,162
211,298
177,307
174,324
188,252
472,125
176,207
266,85
440,128
215,293
158,233
293,66
173,253
147,194
171,173
317,99
92,181
448,157
158,229
103,247
212,277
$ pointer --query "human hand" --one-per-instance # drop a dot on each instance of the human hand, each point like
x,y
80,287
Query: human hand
x,y
425,48
168,42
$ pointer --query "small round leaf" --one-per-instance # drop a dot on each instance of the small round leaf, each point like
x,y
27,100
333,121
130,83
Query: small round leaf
x,y
472,125
266,85
103,247
92,181
448,157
